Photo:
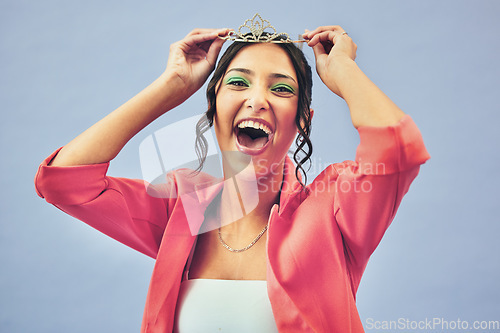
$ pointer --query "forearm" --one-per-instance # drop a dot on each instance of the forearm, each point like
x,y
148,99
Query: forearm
x,y
368,105
104,140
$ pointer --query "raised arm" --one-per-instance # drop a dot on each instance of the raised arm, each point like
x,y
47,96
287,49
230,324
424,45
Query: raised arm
x,y
190,62
335,53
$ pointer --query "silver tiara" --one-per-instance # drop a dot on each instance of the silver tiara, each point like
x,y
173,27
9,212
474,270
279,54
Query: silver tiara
x,y
258,30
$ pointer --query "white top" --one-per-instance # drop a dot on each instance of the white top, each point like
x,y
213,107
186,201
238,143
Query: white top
x,y
209,305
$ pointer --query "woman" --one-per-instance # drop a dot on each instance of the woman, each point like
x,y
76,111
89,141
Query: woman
x,y
299,253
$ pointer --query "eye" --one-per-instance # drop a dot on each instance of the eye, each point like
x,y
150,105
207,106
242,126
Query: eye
x,y
283,89
237,82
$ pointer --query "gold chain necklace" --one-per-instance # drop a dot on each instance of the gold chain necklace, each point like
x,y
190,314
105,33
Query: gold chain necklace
x,y
246,247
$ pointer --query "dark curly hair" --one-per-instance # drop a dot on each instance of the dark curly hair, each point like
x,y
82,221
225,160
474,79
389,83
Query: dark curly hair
x,y
303,151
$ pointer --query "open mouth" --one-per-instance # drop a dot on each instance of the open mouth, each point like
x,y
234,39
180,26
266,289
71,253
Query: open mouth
x,y
253,136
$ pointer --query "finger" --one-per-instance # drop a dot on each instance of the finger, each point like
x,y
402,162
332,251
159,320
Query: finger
x,y
323,37
319,51
311,34
213,51
210,34
203,31
202,37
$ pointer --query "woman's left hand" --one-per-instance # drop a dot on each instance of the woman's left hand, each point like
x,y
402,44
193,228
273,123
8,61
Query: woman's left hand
x,y
332,47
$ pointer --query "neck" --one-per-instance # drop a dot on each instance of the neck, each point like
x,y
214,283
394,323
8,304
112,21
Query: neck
x,y
248,197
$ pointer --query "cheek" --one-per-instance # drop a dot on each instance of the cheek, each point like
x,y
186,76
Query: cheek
x,y
222,115
222,128
226,106
287,116
289,123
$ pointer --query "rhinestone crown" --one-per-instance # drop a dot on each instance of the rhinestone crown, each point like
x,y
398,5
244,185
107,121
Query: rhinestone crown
x,y
254,31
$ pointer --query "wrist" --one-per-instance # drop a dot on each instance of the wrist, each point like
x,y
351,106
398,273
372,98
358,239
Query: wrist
x,y
340,73
173,89
341,64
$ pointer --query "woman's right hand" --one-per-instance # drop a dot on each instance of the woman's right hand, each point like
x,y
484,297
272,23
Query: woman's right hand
x,y
192,59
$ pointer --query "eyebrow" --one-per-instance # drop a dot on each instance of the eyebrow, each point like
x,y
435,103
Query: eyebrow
x,y
250,72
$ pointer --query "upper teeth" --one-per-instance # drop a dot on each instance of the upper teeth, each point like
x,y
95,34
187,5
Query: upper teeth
x,y
256,125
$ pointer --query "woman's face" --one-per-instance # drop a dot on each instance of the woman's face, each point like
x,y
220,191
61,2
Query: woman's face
x,y
256,106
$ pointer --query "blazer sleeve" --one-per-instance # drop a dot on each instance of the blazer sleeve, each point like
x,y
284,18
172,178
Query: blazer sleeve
x,y
120,208
369,190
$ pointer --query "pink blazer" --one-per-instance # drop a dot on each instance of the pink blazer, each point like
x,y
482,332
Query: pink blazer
x,y
319,239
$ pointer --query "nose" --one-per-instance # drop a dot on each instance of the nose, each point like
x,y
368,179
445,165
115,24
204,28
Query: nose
x,y
257,99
